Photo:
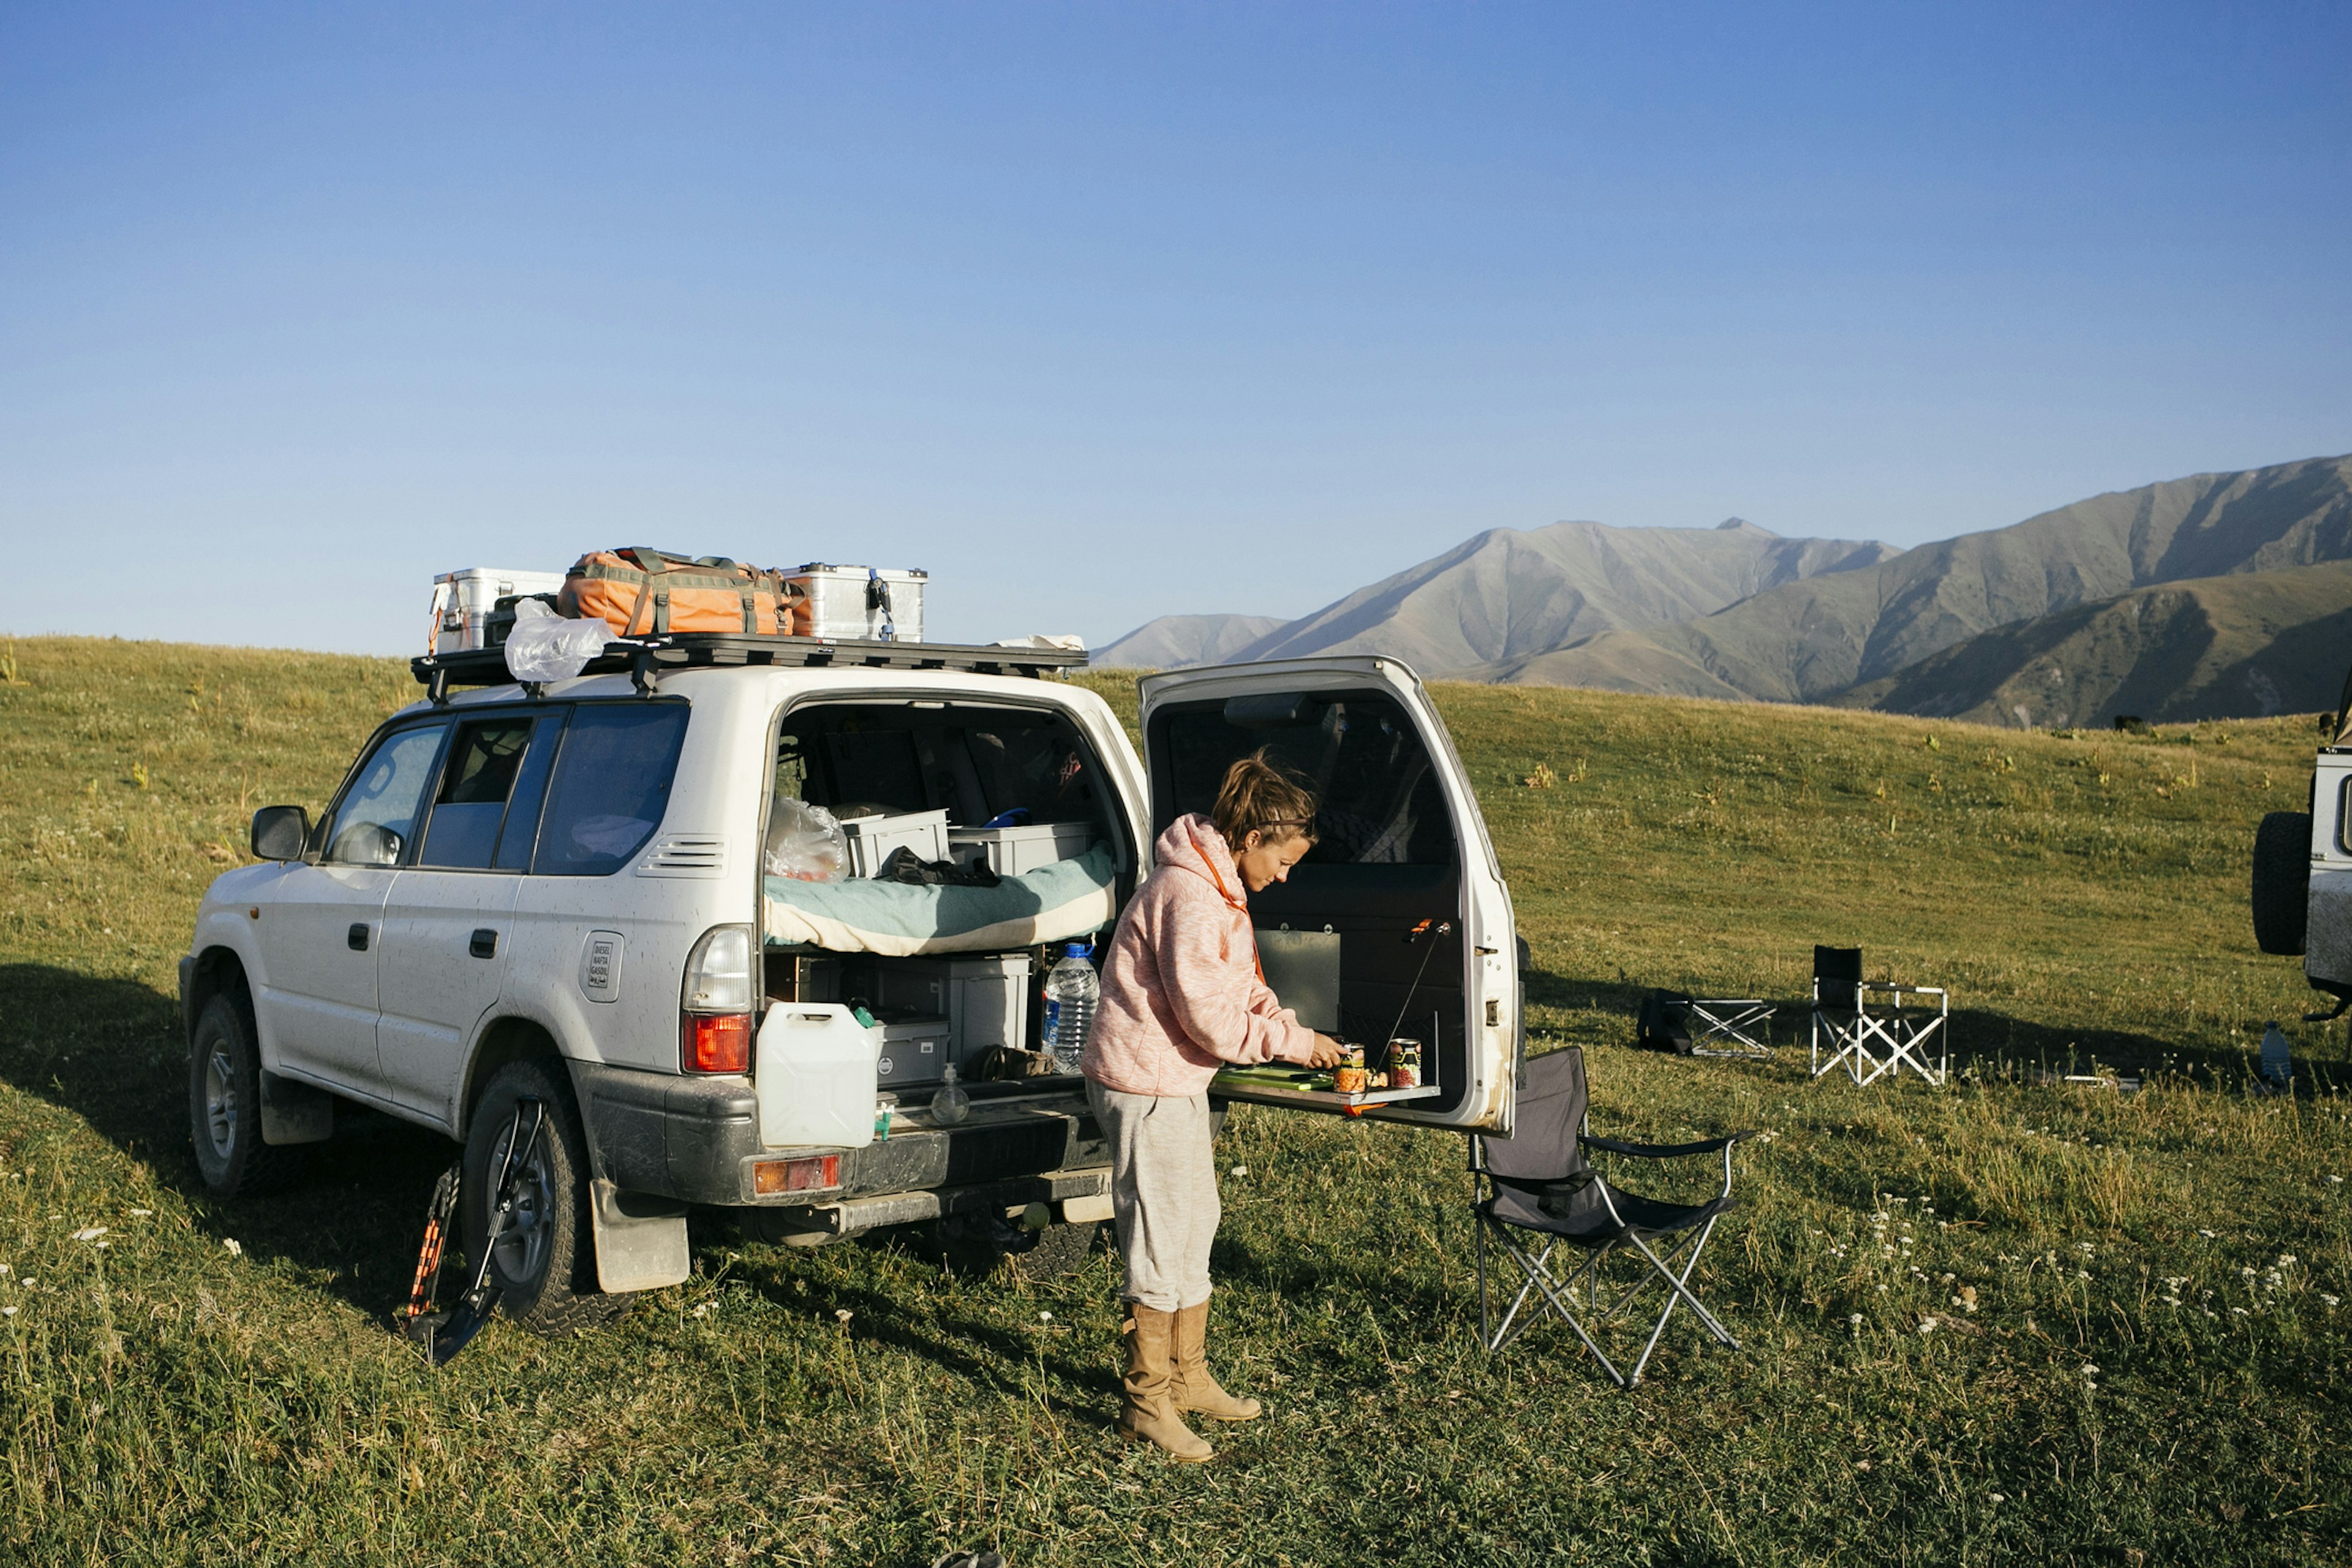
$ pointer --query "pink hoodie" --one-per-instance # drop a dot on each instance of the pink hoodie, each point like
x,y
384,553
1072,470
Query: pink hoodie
x,y
1182,994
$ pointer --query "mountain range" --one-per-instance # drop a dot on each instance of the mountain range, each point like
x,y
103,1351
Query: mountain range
x,y
1507,593
2055,620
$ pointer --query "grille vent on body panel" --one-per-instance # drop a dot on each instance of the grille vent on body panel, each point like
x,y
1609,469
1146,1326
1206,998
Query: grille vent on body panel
x,y
686,855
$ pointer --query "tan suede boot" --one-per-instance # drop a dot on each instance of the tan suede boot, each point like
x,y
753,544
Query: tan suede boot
x,y
1148,1412
1194,1389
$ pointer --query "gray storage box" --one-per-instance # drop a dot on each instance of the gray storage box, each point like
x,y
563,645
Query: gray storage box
x,y
872,838
986,1000
1010,851
864,604
914,1052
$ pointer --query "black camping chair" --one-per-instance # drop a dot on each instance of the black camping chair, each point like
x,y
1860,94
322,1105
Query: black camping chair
x,y
1536,1185
1861,1026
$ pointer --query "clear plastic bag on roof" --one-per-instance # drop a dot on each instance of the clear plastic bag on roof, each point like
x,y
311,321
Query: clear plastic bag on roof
x,y
543,646
805,843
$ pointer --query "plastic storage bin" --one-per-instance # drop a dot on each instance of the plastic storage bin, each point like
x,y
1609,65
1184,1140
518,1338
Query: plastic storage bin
x,y
872,838
861,604
463,600
1010,851
985,1001
813,1073
914,1052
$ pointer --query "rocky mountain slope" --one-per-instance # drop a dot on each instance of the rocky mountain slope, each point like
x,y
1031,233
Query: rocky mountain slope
x,y
1811,640
2243,646
1508,592
1174,641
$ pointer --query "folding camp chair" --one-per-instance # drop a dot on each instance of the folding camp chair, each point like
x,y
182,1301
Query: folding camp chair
x,y
1536,1185
1704,1026
1856,1020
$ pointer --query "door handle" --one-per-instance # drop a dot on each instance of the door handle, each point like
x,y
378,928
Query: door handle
x,y
357,937
485,943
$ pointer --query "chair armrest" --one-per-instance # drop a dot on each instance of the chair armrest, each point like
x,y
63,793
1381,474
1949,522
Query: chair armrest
x,y
1665,1150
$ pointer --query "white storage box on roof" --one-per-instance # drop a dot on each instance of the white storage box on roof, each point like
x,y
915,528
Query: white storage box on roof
x,y
1011,851
872,838
862,604
462,602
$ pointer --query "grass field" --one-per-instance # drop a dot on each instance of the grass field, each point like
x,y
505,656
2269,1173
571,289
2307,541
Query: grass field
x,y
2152,1370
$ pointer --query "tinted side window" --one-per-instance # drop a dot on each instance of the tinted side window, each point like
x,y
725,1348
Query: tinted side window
x,y
611,786
378,813
485,760
1381,803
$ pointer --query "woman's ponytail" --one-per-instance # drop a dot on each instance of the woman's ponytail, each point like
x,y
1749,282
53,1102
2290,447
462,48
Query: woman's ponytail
x,y
1259,797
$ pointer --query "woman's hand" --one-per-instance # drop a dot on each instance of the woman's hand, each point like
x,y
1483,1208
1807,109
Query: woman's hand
x,y
1329,1053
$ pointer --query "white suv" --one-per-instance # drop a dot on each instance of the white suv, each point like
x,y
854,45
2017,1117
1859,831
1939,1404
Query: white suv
x,y
2302,892
558,891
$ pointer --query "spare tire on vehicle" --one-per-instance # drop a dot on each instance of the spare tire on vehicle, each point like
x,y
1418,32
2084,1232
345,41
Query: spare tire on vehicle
x,y
2281,881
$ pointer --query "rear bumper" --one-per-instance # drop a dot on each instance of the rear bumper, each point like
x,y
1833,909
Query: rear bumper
x,y
698,1140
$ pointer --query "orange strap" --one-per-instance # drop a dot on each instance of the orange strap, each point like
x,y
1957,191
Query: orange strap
x,y
1226,893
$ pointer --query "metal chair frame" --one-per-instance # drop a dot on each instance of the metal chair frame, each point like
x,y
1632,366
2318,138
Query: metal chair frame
x,y
1729,1019
1560,1294
1850,1031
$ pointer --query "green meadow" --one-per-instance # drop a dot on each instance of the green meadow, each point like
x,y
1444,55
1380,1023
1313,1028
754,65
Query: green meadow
x,y
2083,1305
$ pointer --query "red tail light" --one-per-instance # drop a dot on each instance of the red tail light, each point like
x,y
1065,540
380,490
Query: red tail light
x,y
714,1042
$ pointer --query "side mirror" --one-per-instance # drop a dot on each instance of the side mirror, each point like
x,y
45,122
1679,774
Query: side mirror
x,y
280,832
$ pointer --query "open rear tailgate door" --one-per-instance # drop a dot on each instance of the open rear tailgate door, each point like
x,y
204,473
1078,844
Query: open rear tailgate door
x,y
1397,924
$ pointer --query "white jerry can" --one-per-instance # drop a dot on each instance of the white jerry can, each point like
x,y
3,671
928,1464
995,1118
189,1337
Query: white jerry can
x,y
814,1074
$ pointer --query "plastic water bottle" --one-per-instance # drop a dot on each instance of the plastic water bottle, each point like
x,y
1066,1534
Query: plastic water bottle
x,y
2277,1066
1073,991
951,1104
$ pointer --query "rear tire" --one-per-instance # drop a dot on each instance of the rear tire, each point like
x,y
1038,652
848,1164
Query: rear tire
x,y
1062,1249
545,1264
225,1108
2282,889
978,1245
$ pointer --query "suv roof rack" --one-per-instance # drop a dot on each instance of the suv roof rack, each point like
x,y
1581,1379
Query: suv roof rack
x,y
645,659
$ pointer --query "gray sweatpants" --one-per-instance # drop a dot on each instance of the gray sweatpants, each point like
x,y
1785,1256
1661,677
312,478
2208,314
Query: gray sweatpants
x,y
1163,1193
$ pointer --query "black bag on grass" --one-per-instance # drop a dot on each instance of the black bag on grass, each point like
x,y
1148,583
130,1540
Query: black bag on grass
x,y
1663,1024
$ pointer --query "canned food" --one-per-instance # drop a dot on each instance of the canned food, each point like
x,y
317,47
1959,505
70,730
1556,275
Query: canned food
x,y
1350,1080
1405,1064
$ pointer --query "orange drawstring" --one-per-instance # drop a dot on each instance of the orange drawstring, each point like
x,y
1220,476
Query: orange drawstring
x,y
1226,893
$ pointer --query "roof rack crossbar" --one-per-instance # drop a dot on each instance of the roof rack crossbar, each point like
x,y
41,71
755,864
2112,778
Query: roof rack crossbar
x,y
644,658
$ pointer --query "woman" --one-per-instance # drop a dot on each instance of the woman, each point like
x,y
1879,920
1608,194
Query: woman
x,y
1183,995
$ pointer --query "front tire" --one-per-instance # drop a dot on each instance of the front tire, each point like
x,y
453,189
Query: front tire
x,y
545,1262
225,1108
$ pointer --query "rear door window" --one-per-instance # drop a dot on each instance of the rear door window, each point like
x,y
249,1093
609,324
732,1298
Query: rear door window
x,y
1381,804
611,786
485,791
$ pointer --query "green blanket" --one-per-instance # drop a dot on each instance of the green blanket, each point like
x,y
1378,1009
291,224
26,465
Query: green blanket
x,y
1057,902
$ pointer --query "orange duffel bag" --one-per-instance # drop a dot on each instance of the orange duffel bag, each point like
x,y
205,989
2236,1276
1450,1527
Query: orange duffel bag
x,y
640,592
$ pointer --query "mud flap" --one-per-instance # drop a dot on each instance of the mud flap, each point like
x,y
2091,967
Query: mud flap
x,y
294,1112
640,1239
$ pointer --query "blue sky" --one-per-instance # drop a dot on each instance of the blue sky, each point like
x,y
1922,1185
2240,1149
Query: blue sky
x,y
1104,311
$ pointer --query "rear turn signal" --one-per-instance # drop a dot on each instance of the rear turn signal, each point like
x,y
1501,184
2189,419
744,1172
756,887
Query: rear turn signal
x,y
715,1042
770,1177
